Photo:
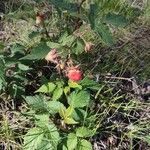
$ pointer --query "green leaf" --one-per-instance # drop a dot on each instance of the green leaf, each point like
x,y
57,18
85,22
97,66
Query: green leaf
x,y
84,145
64,147
90,84
67,40
9,61
53,45
53,135
62,111
79,99
70,121
46,88
79,114
41,120
79,47
84,132
65,5
33,34
23,67
54,106
104,32
69,111
116,20
66,115
44,137
33,139
71,141
60,83
73,84
147,139
39,104
57,93
67,90
17,48
36,103
46,145
91,15
38,52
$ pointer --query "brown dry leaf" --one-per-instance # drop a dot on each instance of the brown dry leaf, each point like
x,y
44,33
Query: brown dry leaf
x,y
39,19
88,46
52,56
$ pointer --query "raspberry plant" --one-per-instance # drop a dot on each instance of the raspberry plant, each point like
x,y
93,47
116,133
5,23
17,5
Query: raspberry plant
x,y
49,71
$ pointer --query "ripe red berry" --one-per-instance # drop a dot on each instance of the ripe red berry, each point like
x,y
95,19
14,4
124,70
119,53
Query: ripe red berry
x,y
74,74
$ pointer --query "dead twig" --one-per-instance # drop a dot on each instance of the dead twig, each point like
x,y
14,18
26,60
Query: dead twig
x,y
119,78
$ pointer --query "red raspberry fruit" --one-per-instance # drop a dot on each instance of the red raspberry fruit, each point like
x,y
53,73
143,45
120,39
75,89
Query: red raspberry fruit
x,y
74,74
